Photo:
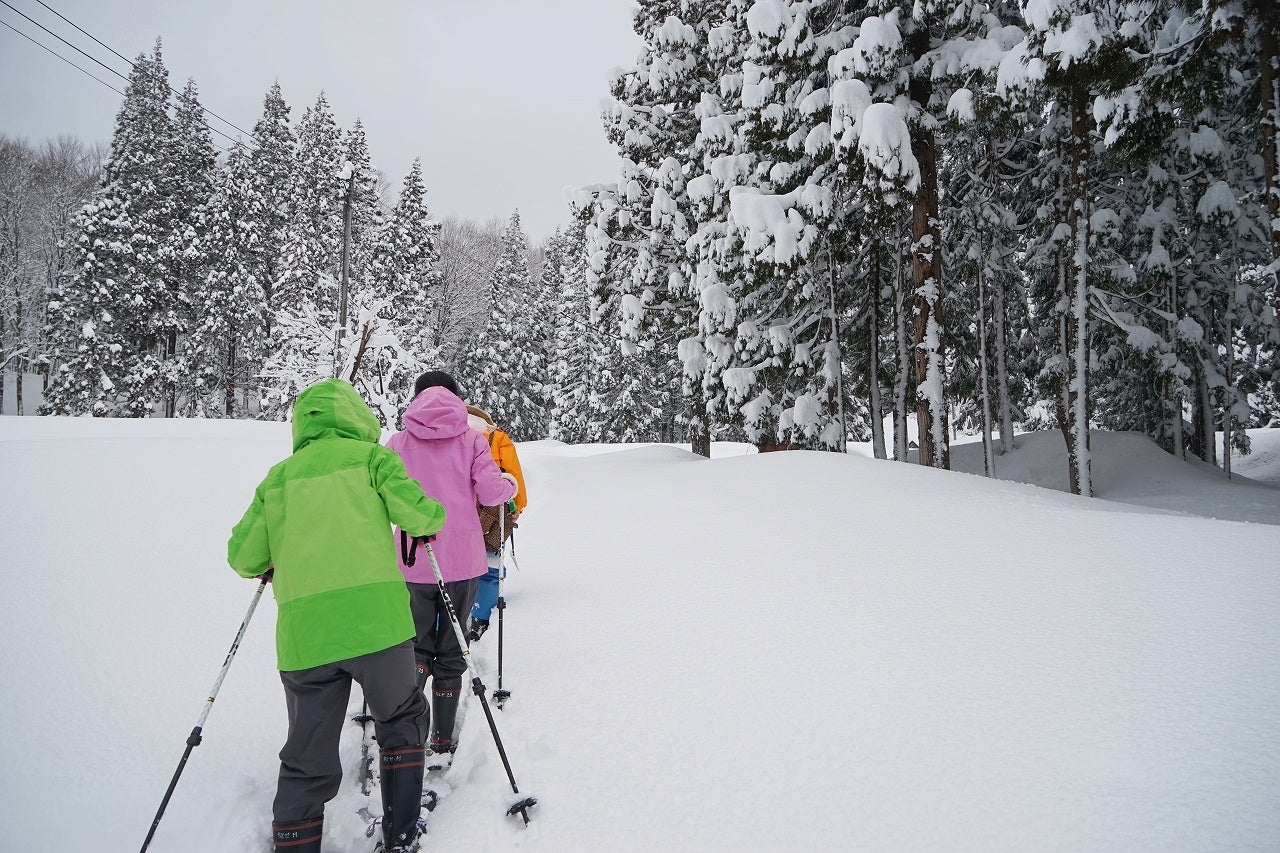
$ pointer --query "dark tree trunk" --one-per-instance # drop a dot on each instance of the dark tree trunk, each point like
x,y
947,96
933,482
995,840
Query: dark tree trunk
x,y
699,432
926,280
1077,318
873,367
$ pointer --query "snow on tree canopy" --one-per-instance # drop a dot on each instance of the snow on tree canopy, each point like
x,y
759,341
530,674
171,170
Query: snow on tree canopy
x,y
1070,45
807,413
875,50
1205,142
960,106
693,358
716,301
961,56
767,19
1218,200
632,314
885,142
756,88
701,189
1019,71
849,101
772,228
675,33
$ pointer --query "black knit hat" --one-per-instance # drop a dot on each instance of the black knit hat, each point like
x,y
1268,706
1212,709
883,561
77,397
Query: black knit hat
x,y
434,379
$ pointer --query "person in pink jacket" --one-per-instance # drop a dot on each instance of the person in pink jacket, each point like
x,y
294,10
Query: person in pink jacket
x,y
454,466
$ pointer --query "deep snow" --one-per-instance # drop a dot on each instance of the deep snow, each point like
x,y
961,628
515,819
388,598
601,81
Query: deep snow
x,y
793,651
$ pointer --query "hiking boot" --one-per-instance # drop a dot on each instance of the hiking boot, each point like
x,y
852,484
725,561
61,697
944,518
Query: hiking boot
x,y
478,627
401,784
444,712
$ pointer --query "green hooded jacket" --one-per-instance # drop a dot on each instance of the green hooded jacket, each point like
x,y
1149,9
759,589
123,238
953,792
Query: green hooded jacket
x,y
323,519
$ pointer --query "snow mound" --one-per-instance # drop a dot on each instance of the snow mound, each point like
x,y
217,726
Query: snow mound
x,y
1130,468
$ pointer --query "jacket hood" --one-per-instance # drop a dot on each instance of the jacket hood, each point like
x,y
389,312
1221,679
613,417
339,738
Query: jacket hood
x,y
333,409
480,413
436,413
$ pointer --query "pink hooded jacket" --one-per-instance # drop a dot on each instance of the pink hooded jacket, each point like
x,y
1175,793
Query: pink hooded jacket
x,y
454,466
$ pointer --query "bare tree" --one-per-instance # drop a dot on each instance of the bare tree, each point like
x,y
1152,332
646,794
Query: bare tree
x,y
468,253
41,188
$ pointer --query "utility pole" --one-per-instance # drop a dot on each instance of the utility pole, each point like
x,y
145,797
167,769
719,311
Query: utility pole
x,y
346,255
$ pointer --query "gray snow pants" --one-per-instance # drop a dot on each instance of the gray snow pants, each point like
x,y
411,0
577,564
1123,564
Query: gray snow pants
x,y
310,769
436,648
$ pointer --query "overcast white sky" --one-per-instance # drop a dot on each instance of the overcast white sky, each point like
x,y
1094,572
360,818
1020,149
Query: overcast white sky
x,y
500,98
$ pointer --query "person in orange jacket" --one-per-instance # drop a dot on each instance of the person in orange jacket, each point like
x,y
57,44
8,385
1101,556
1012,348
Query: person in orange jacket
x,y
504,453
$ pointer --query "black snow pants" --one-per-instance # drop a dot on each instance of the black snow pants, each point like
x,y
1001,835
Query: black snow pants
x,y
436,648
310,769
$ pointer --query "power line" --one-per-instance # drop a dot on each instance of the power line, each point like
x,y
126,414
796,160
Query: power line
x,y
64,41
90,35
123,57
45,47
63,58
104,65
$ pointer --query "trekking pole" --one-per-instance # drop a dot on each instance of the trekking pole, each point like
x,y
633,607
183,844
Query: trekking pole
x,y
193,740
501,696
408,552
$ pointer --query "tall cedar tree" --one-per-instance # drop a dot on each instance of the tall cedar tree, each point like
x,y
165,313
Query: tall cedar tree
x,y
404,268
500,373
108,327
223,350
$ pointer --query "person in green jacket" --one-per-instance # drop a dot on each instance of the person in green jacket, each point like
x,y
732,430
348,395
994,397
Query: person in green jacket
x,y
321,523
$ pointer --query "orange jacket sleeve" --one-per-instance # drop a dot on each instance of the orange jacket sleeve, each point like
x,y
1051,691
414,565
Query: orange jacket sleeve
x,y
504,453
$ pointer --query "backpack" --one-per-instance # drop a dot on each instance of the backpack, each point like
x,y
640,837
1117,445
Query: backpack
x,y
491,526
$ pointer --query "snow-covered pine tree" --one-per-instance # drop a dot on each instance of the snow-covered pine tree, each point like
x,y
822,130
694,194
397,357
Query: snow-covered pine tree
x,y
366,213
314,242
273,162
552,280
222,352
404,270
1119,81
307,288
192,163
1159,345
579,343
1222,293
107,327
1075,54
653,120
921,58
778,252
499,373
537,336
984,173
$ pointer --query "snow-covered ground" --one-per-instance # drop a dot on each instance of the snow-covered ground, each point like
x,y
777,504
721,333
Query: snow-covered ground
x,y
784,652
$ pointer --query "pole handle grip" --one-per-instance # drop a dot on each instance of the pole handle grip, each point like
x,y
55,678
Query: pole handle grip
x,y
409,550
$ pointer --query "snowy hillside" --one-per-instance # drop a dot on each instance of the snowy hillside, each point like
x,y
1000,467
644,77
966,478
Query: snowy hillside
x,y
1130,468
784,652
